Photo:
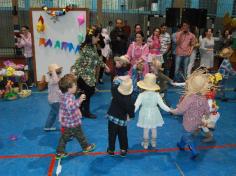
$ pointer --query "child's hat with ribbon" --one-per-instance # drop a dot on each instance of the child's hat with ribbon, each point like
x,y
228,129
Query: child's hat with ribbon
x,y
149,82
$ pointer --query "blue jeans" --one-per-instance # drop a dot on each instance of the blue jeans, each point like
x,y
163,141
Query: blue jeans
x,y
53,116
29,62
181,60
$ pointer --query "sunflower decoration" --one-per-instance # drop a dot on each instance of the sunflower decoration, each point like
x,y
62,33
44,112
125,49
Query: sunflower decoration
x,y
215,78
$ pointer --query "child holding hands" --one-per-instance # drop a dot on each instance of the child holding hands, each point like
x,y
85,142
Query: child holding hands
x,y
70,116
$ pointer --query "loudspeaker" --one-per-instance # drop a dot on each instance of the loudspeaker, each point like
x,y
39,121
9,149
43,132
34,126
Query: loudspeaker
x,y
172,17
195,17
202,18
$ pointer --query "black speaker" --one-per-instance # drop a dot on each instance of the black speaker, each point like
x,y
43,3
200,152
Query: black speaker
x,y
172,17
190,16
202,18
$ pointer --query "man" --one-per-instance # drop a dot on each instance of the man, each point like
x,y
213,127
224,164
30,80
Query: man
x,y
185,41
118,39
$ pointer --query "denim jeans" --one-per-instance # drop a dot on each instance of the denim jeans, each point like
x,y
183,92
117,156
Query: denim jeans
x,y
29,62
53,116
181,60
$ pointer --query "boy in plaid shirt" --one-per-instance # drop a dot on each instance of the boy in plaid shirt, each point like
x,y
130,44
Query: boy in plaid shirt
x,y
70,116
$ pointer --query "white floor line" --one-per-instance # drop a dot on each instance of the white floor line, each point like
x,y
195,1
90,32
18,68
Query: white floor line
x,y
179,169
59,168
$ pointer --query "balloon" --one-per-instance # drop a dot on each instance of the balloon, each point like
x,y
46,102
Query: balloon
x,y
80,20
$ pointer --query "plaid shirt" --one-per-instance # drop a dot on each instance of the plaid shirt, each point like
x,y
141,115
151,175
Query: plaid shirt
x,y
117,121
226,69
69,114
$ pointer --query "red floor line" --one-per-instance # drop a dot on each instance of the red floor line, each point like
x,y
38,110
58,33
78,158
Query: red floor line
x,y
51,166
130,151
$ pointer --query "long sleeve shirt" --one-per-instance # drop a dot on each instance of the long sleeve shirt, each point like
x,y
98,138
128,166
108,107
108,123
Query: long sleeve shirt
x,y
226,69
25,42
193,107
54,93
69,113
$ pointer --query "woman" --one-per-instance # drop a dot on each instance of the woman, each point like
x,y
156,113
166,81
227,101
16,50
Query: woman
x,y
138,50
155,45
207,49
85,69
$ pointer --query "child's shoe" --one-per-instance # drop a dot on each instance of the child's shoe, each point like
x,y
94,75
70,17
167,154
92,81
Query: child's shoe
x,y
90,148
123,153
154,143
179,146
61,155
111,153
145,144
50,129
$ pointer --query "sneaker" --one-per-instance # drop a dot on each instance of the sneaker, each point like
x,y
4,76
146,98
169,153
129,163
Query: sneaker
x,y
50,129
111,153
195,156
90,148
144,145
153,143
123,153
61,155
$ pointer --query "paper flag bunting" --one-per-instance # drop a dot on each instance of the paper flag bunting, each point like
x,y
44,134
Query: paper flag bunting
x,y
48,43
77,49
40,25
80,20
80,38
42,41
64,45
57,44
70,46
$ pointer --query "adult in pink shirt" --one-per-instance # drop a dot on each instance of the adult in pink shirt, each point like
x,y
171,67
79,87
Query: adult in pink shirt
x,y
154,42
24,41
138,50
185,42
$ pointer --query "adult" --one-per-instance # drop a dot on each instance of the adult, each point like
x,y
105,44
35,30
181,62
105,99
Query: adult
x,y
165,46
110,27
137,28
85,69
155,45
185,41
118,39
207,49
24,41
127,28
138,50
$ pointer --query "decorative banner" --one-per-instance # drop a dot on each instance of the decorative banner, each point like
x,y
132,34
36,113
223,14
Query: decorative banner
x,y
64,45
40,24
70,46
48,43
57,44
80,20
77,49
42,41
80,38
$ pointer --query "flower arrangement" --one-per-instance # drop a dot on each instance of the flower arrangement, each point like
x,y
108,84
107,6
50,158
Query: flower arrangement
x,y
10,93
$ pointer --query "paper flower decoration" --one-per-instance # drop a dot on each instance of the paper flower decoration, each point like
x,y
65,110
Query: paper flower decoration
x,y
40,24
10,71
80,20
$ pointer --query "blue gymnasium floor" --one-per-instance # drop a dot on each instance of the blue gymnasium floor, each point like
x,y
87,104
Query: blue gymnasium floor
x,y
31,153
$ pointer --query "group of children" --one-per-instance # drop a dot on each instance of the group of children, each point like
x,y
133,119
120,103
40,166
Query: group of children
x,y
196,105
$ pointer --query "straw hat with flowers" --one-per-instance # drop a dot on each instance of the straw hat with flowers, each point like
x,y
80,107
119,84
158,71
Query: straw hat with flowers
x,y
198,82
54,67
149,83
226,52
126,87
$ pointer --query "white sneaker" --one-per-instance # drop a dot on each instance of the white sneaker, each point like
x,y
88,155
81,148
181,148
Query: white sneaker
x,y
50,129
145,145
153,143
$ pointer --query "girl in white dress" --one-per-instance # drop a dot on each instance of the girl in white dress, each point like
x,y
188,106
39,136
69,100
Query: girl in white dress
x,y
149,114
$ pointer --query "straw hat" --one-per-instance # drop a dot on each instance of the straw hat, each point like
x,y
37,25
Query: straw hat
x,y
226,52
53,67
149,82
126,87
122,59
198,82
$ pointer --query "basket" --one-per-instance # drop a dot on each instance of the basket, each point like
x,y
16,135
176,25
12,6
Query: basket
x,y
11,98
24,92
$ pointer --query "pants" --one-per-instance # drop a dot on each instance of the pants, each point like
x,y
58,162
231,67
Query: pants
x,y
172,67
187,139
178,62
191,61
72,132
88,91
101,71
52,116
166,64
113,131
29,62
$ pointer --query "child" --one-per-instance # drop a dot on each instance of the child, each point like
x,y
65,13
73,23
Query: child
x,y
225,69
149,114
122,65
54,95
120,110
193,106
70,116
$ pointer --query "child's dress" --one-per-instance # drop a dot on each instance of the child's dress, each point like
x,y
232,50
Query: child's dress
x,y
149,114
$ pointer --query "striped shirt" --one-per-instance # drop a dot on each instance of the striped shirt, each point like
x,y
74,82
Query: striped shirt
x,y
226,69
69,113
